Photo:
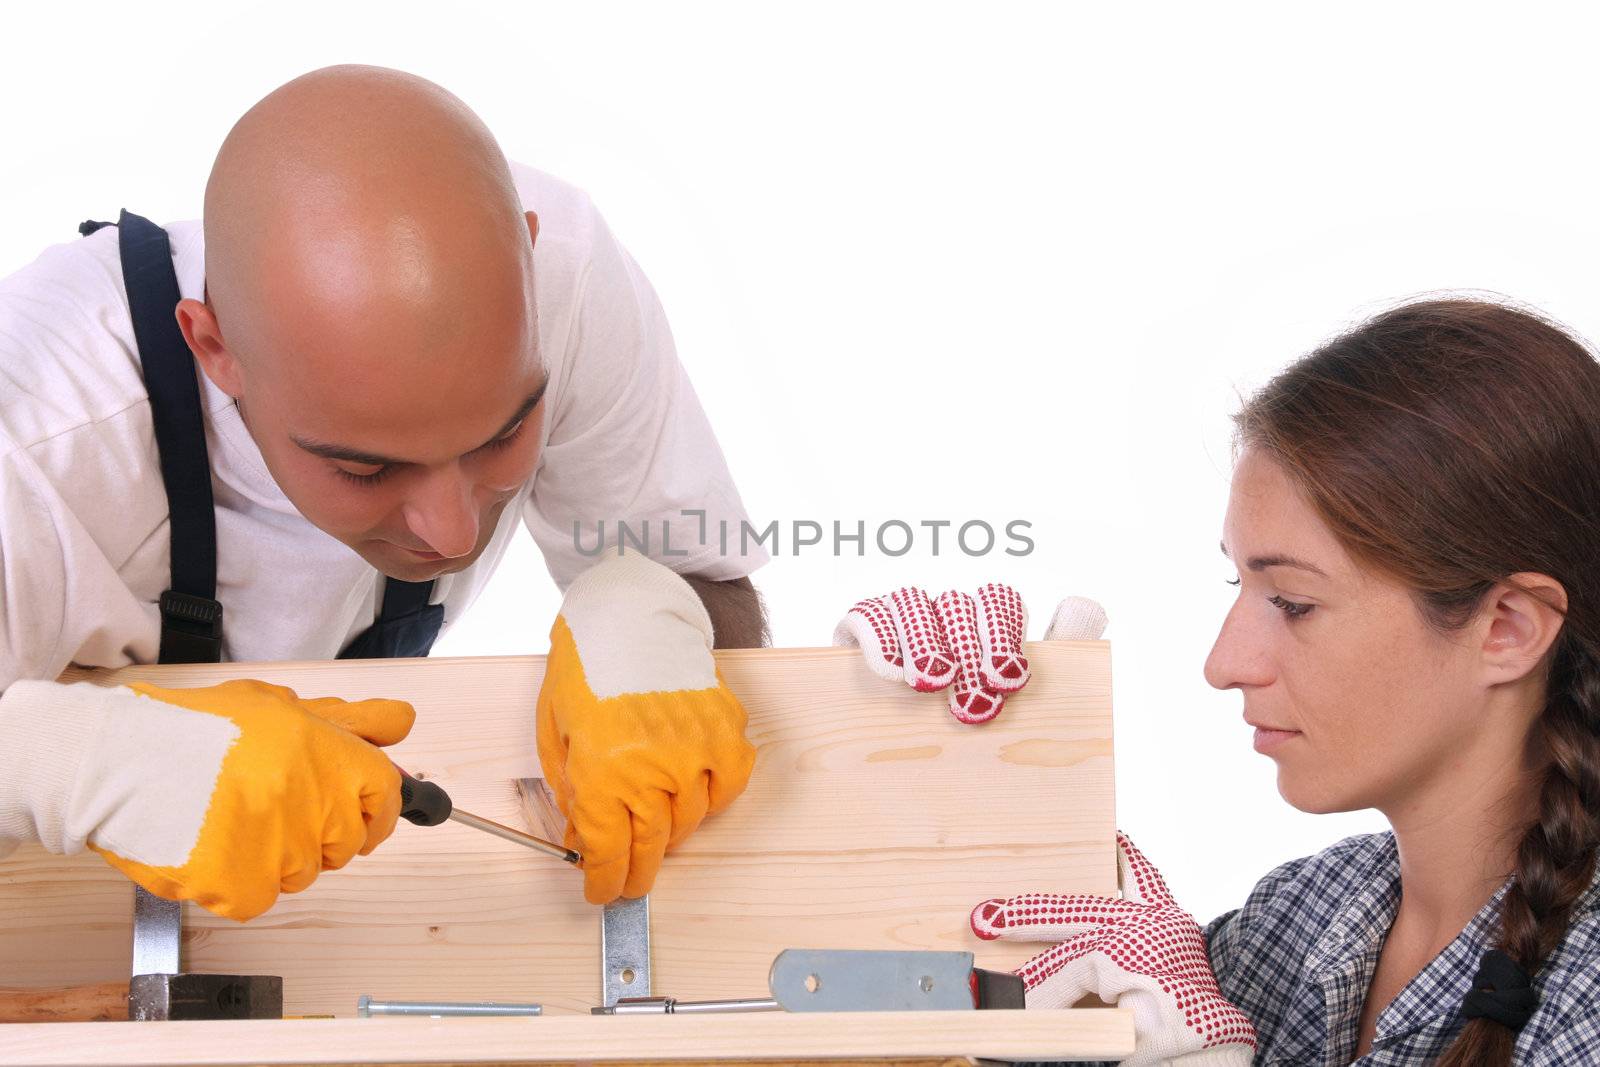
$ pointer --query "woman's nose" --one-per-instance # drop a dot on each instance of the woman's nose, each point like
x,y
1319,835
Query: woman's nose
x,y
1238,656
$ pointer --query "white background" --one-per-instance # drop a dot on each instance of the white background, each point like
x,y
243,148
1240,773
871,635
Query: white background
x,y
923,262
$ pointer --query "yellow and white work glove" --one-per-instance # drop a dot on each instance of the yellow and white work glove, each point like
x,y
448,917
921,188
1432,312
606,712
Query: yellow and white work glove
x,y
1141,952
639,737
971,646
225,795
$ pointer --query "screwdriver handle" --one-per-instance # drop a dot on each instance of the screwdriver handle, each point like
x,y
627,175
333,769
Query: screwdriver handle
x,y
423,803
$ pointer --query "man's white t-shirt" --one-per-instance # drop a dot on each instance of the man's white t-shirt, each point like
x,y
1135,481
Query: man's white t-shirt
x,y
84,534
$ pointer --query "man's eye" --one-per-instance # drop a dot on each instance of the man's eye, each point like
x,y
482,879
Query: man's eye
x,y
364,479
504,439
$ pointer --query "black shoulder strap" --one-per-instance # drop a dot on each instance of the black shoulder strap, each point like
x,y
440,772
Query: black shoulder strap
x,y
407,624
402,598
191,617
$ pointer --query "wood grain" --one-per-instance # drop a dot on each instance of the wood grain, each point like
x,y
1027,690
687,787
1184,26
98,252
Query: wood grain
x,y
102,1002
1084,1033
873,820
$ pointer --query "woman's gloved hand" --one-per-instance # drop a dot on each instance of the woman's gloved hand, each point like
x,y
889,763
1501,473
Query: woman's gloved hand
x,y
225,795
972,646
1141,952
639,737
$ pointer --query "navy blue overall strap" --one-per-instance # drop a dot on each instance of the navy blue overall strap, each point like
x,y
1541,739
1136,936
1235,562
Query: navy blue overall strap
x,y
407,624
191,617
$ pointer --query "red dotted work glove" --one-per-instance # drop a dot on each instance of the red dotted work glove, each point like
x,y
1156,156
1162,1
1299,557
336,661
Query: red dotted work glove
x,y
1141,952
972,646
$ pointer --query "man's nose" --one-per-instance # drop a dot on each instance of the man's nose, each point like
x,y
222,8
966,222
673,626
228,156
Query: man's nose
x,y
443,514
1238,656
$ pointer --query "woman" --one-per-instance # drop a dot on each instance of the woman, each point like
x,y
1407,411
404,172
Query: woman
x,y
1415,517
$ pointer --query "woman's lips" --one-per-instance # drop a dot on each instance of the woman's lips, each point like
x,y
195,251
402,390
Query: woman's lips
x,y
1269,740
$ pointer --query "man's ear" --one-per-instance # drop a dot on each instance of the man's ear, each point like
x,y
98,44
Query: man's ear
x,y
1522,624
533,226
204,338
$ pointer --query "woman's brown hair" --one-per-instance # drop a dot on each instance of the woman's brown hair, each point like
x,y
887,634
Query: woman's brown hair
x,y
1449,444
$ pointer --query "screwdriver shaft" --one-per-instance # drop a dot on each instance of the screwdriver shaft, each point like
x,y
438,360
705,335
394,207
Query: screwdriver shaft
x,y
489,826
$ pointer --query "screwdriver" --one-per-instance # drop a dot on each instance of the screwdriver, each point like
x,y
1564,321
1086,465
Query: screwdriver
x,y
426,804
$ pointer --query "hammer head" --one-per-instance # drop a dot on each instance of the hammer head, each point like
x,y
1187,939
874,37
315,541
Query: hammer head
x,y
205,996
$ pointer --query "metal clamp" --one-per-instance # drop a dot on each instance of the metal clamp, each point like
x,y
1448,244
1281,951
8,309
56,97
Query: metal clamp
x,y
625,950
157,933
160,990
173,997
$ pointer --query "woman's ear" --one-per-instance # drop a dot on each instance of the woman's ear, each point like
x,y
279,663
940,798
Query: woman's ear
x,y
1522,624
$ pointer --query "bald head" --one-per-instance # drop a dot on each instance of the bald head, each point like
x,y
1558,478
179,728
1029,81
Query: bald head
x,y
369,272
362,215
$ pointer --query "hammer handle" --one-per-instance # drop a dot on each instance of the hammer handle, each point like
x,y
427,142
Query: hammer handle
x,y
107,1001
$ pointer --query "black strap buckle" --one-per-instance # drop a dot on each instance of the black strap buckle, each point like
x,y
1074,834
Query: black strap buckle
x,y
191,628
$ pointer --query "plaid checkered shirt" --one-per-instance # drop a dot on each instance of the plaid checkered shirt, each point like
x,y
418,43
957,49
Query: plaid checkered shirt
x,y
1298,959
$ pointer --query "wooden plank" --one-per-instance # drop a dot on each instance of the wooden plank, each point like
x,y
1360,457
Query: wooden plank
x,y
873,820
1084,1033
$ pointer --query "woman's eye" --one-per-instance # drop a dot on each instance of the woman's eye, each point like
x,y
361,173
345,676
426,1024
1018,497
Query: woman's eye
x,y
1290,608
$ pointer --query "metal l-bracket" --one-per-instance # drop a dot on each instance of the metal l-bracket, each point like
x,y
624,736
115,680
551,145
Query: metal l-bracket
x,y
624,950
872,980
157,933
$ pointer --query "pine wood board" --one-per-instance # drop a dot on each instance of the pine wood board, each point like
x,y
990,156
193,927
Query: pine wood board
x,y
873,820
1081,1033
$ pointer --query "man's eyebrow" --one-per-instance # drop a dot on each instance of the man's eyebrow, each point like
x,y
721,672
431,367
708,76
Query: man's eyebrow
x,y
352,455
1261,563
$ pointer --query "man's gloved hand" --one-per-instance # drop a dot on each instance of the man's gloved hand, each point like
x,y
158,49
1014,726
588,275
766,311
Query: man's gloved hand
x,y
972,646
225,795
639,737
1141,952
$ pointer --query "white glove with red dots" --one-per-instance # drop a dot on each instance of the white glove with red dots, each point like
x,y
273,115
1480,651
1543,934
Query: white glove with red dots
x,y
973,647
1141,952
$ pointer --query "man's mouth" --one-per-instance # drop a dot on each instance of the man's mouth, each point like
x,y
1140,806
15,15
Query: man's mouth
x,y
418,553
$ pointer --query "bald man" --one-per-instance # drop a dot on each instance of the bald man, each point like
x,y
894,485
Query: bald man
x,y
306,429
